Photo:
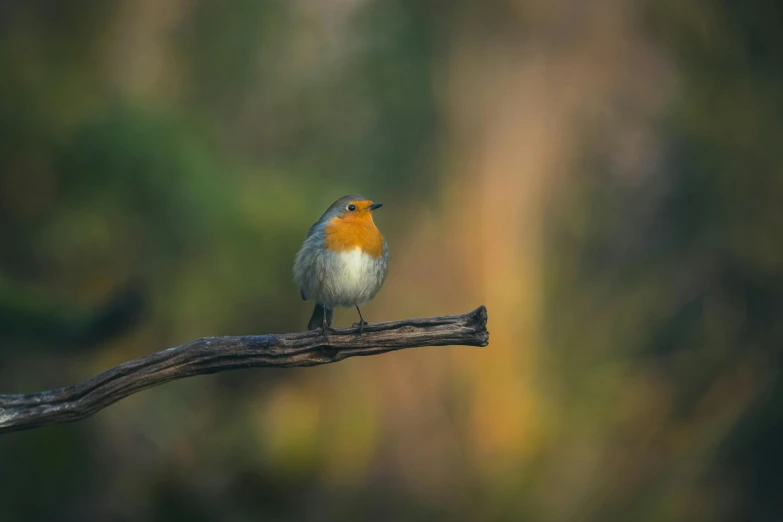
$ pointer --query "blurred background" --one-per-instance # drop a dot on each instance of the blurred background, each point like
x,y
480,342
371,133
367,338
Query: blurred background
x,y
604,176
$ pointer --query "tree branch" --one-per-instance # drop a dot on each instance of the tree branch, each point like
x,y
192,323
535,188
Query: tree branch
x,y
216,354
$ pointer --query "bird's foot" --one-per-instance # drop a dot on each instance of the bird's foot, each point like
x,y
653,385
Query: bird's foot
x,y
360,325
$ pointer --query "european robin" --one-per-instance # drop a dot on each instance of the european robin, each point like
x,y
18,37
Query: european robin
x,y
343,260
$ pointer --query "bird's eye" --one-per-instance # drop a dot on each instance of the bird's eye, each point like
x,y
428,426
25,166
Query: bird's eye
x,y
351,207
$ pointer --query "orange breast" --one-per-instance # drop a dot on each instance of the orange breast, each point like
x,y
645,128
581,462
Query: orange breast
x,y
347,234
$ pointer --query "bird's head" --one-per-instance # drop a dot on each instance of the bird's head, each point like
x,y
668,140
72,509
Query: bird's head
x,y
353,209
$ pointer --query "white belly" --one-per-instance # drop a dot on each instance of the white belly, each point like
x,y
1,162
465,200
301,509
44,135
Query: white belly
x,y
352,277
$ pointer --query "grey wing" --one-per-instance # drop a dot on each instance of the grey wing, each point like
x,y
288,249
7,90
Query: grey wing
x,y
312,230
304,263
384,268
385,259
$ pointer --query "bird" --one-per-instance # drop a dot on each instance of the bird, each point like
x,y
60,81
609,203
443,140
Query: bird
x,y
343,260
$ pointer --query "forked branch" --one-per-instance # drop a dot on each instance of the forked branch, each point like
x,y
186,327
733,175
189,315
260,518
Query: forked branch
x,y
217,354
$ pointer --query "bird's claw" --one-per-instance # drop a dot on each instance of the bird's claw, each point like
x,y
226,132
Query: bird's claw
x,y
325,328
360,325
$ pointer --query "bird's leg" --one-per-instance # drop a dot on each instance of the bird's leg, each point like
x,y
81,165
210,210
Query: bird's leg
x,y
329,351
324,325
361,322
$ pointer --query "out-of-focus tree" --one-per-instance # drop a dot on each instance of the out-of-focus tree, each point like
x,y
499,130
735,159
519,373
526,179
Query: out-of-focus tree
x,y
674,279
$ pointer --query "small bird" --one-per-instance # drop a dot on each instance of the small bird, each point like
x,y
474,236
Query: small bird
x,y
343,261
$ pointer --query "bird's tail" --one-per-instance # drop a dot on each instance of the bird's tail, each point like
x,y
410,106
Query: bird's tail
x,y
317,319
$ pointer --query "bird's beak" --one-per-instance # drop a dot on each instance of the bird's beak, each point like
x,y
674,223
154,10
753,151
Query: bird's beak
x,y
375,206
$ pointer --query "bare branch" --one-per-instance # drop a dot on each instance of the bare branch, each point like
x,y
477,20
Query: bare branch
x,y
216,354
